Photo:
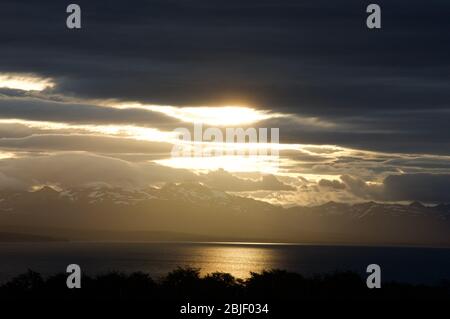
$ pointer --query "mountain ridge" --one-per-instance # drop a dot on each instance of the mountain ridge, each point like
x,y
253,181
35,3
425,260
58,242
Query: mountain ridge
x,y
197,209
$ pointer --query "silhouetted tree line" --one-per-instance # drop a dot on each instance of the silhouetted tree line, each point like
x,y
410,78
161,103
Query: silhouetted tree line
x,y
187,284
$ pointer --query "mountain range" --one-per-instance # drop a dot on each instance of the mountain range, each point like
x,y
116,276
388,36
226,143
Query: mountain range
x,y
192,211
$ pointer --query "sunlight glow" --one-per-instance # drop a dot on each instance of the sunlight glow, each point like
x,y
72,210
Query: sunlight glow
x,y
25,82
238,260
211,115
262,164
269,158
229,115
5,155
128,131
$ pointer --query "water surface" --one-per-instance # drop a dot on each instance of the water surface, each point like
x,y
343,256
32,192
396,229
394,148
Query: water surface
x,y
415,265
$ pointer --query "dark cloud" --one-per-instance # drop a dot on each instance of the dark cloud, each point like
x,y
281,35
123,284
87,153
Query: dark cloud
x,y
385,89
406,132
420,187
325,183
47,110
88,143
71,169
424,187
360,188
424,162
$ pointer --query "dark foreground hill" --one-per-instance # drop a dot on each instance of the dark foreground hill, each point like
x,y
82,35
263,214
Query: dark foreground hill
x,y
19,237
186,284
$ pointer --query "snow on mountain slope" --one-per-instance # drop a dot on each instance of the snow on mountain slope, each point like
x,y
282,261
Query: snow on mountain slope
x,y
195,208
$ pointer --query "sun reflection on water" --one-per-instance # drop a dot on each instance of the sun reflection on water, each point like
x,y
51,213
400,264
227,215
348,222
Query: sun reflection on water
x,y
236,260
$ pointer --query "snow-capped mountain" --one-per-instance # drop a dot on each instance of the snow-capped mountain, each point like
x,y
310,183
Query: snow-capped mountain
x,y
197,209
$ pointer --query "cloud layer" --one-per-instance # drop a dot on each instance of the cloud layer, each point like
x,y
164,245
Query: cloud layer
x,y
386,89
363,115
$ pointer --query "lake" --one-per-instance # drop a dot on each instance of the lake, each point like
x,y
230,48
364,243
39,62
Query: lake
x,y
405,264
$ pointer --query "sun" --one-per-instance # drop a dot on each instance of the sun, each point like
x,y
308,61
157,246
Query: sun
x,y
220,116
209,115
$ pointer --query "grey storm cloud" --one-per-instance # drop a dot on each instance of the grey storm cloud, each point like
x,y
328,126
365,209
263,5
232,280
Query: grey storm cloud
x,y
89,143
71,169
385,89
425,187
47,110
331,184
421,187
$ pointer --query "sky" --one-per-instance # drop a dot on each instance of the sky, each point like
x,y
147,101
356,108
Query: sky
x,y
362,114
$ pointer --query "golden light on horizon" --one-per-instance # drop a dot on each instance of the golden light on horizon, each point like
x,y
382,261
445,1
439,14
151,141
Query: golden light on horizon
x,y
25,82
238,259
